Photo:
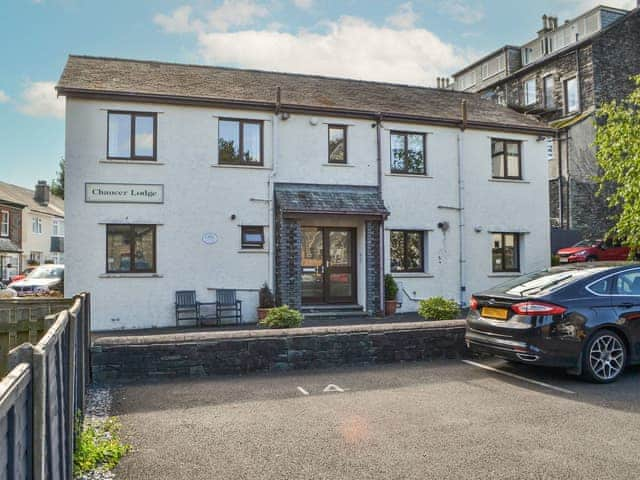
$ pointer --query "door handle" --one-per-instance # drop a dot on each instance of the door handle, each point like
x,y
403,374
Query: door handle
x,y
627,305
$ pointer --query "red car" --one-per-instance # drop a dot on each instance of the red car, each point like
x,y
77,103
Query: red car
x,y
23,275
594,251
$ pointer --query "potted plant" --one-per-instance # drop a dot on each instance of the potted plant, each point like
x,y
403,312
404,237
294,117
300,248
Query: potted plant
x,y
265,301
390,293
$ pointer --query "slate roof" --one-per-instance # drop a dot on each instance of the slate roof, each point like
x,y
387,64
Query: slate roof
x,y
329,199
7,245
24,196
158,81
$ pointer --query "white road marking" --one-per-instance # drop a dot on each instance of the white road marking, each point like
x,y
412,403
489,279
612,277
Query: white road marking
x,y
524,379
333,388
303,391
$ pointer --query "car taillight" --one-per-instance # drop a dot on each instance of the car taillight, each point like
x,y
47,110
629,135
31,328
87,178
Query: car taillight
x,y
537,308
473,304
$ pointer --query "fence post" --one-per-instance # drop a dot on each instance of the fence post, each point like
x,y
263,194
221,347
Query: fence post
x,y
39,392
72,325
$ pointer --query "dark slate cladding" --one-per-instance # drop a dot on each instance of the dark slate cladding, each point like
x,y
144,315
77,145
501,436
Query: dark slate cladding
x,y
165,82
329,199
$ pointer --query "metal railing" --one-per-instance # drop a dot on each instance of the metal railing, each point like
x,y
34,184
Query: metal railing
x,y
41,397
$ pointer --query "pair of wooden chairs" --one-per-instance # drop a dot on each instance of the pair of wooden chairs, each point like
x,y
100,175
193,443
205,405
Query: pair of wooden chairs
x,y
188,308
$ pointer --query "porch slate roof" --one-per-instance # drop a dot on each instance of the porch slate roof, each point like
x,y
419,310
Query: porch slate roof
x,y
329,199
7,245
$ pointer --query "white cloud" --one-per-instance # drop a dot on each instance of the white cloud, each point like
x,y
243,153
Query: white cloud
x,y
39,100
303,4
179,21
235,13
404,18
4,98
463,12
349,47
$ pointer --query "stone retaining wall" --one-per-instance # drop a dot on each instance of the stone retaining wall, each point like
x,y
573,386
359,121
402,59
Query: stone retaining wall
x,y
126,358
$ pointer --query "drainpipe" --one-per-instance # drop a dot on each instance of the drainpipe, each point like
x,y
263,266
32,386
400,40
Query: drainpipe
x,y
382,250
560,199
461,204
271,195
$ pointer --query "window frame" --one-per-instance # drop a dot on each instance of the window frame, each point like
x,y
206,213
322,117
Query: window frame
x,y
330,127
516,247
132,140
251,229
36,221
549,102
565,88
525,92
132,267
406,233
505,159
406,134
57,223
4,224
241,122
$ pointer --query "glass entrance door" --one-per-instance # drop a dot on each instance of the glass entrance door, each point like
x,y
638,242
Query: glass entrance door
x,y
328,273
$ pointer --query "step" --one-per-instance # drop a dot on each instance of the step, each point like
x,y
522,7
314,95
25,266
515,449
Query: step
x,y
331,308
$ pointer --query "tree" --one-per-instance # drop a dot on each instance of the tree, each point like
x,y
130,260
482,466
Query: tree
x,y
57,184
618,153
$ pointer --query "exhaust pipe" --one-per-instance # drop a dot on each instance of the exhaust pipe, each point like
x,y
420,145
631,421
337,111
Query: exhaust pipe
x,y
527,357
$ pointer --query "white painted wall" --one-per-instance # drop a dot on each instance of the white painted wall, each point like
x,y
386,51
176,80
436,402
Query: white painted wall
x,y
201,196
38,242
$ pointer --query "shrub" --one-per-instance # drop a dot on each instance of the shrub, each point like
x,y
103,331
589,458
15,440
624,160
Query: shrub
x,y
438,308
390,287
555,260
266,297
282,317
98,447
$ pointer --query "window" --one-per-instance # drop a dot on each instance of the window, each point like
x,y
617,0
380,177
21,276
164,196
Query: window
x,y
506,159
530,91
627,283
58,228
527,55
35,258
337,144
252,237
4,223
547,82
505,253
571,96
36,225
408,153
484,70
131,248
131,136
407,251
240,142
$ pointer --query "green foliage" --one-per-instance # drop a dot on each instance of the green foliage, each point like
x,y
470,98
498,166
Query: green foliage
x,y
438,308
618,152
390,287
282,317
57,185
265,297
98,446
555,260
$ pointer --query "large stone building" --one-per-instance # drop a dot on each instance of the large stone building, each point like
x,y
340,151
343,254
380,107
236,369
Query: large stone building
x,y
184,177
561,77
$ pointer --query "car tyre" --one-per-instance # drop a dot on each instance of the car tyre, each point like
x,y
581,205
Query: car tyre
x,y
592,259
604,357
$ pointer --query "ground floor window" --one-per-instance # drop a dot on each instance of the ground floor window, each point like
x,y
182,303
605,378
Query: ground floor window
x,y
35,258
252,237
407,251
131,248
505,253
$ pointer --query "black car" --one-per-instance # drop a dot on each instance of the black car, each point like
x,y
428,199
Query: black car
x,y
585,319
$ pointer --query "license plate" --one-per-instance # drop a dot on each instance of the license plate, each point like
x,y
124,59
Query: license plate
x,y
564,259
497,313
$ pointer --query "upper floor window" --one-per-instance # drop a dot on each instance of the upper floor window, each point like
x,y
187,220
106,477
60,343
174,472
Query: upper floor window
x,y
58,228
131,136
337,144
407,251
252,237
36,225
131,248
571,95
240,142
408,153
548,84
505,253
4,223
530,92
506,159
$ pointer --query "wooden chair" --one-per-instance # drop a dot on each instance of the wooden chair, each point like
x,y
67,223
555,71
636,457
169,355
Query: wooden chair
x,y
228,306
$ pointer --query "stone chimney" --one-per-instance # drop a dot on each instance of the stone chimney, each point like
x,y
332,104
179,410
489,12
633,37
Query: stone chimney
x,y
42,193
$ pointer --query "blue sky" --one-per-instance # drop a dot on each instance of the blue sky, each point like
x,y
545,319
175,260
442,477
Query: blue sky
x,y
408,42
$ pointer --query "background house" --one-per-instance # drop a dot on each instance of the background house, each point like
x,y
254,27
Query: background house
x,y
562,76
41,223
10,237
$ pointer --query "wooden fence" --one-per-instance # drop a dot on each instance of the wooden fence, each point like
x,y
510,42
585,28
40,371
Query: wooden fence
x,y
41,397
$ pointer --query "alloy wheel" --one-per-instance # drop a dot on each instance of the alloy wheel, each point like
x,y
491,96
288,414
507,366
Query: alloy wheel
x,y
606,357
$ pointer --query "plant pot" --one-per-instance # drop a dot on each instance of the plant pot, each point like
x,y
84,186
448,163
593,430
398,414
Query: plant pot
x,y
262,313
390,307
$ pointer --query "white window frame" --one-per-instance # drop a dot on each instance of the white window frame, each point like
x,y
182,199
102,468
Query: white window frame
x,y
565,88
544,91
527,99
57,229
36,225
5,223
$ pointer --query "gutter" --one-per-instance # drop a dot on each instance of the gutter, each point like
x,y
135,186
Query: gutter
x,y
461,278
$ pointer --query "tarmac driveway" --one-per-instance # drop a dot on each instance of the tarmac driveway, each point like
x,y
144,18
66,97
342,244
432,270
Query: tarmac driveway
x,y
427,420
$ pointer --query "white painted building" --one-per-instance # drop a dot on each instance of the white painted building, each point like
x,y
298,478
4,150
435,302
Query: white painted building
x,y
327,166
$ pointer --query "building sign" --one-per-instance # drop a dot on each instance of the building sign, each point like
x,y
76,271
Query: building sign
x,y
123,193
549,143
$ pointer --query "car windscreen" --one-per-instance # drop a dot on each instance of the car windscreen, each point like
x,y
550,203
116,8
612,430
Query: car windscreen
x,y
46,272
587,243
543,282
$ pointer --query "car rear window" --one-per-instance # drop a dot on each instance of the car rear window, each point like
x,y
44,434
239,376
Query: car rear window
x,y
544,282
